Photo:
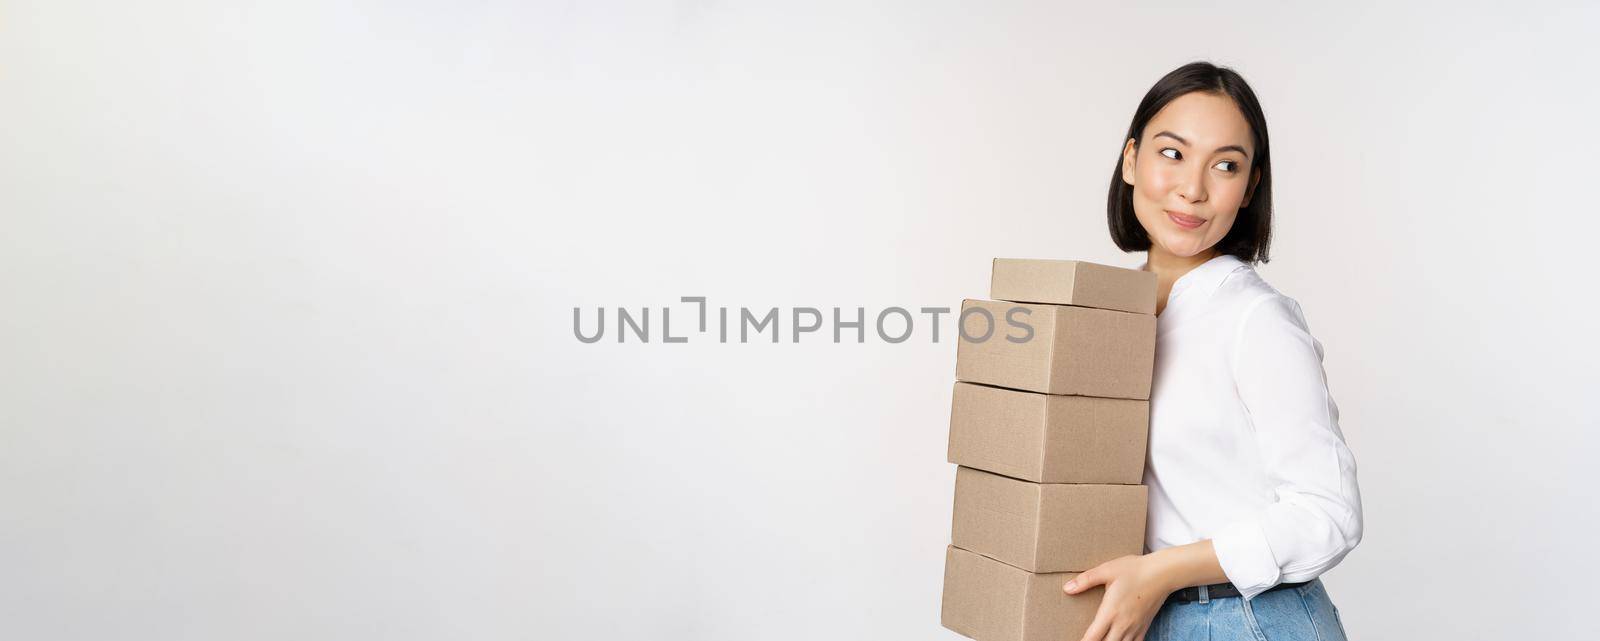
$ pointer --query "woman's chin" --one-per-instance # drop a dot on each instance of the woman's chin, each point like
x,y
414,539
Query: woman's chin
x,y
1183,247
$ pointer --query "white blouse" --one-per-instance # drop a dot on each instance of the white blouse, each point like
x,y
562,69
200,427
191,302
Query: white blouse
x,y
1245,446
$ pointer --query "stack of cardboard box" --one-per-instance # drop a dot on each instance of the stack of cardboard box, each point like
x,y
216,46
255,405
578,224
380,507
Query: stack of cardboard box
x,y
1049,423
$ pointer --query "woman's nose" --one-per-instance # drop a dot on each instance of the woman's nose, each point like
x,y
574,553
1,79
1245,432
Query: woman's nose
x,y
1192,187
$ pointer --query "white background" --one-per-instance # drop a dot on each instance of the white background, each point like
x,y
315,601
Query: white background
x,y
286,296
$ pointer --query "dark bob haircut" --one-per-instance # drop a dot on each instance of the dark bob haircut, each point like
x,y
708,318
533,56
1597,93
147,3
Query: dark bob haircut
x,y
1251,233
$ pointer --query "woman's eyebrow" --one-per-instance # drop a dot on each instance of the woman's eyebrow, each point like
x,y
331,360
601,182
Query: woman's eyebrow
x,y
1219,149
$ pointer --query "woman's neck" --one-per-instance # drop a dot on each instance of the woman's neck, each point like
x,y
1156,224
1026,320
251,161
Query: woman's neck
x,y
1168,268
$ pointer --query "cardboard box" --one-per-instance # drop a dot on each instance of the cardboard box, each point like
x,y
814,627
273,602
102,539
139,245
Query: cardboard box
x,y
1049,439
990,601
1064,350
1046,527
1073,282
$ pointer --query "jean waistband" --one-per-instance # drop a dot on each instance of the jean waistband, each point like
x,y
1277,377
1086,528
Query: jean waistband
x,y
1220,591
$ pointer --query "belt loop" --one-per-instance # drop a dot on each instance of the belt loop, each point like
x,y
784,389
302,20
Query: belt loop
x,y
1205,594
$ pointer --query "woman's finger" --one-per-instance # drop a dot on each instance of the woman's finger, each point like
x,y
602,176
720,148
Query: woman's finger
x,y
1084,581
1097,630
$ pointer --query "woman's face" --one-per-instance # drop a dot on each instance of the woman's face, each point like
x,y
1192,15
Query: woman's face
x,y
1191,173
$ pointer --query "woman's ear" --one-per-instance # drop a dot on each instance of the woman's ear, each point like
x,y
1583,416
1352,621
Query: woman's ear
x,y
1255,179
1129,152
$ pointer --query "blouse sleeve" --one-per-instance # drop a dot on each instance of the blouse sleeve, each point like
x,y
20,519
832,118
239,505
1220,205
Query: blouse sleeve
x,y
1315,519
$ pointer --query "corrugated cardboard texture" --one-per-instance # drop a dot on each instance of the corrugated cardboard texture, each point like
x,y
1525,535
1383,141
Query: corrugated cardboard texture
x,y
1051,527
1049,439
1073,350
988,600
1073,282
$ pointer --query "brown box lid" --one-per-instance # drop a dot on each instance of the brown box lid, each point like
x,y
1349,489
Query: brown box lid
x,y
1056,349
1046,527
988,600
1073,282
1048,439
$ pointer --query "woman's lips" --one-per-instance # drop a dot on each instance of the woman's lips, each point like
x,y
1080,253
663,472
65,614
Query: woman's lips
x,y
1184,221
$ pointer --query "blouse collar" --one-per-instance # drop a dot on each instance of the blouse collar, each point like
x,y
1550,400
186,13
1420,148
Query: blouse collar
x,y
1204,278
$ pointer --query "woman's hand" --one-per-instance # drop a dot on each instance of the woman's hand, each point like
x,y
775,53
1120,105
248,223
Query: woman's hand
x,y
1135,590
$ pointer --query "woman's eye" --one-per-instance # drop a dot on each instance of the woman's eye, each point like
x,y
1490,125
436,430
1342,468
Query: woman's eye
x,y
1228,166
1174,155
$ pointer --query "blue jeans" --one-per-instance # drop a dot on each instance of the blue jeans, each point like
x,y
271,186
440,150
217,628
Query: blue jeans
x,y
1291,614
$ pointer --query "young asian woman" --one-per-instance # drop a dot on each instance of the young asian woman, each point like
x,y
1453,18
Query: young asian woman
x,y
1253,491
